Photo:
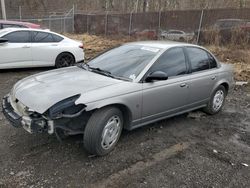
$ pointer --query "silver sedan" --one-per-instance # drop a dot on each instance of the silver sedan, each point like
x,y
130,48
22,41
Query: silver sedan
x,y
125,88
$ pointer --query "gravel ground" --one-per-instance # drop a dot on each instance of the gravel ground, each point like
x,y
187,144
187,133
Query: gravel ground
x,y
191,150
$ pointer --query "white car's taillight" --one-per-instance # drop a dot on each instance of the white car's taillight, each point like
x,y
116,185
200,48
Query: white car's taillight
x,y
81,46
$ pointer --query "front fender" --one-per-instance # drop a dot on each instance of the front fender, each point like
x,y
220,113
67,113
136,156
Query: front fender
x,y
132,101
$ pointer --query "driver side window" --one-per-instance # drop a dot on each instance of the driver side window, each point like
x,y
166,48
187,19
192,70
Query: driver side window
x,y
18,37
172,62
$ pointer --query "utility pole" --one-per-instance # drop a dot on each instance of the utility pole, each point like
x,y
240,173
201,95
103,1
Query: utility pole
x,y
3,9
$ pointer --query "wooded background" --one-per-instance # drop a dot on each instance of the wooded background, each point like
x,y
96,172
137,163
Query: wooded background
x,y
34,8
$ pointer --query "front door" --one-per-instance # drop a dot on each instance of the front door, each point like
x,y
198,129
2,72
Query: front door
x,y
162,98
17,51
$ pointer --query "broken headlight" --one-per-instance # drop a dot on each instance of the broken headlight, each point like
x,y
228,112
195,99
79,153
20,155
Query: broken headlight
x,y
66,108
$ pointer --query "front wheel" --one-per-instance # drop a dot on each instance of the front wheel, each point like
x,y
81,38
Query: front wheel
x,y
216,101
103,131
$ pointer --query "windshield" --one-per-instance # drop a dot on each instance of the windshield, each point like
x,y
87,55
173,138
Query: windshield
x,y
125,61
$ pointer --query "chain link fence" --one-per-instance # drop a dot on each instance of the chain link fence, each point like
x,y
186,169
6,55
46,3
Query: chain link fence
x,y
61,22
189,25
196,26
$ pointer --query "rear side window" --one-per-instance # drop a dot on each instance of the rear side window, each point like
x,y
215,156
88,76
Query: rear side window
x,y
41,37
198,58
57,38
172,62
18,37
176,32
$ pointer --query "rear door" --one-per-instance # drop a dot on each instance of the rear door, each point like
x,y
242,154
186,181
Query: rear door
x,y
45,48
203,75
17,51
161,98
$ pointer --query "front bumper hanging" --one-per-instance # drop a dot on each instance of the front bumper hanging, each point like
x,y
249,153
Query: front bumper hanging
x,y
32,125
10,114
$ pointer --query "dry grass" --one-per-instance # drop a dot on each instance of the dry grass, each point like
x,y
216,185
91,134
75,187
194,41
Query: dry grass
x,y
94,45
234,38
239,57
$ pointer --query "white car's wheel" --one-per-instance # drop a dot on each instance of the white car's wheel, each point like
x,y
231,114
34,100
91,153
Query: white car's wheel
x,y
64,60
103,131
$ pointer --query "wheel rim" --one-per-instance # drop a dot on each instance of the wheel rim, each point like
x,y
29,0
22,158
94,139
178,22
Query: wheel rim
x,y
111,132
65,61
218,100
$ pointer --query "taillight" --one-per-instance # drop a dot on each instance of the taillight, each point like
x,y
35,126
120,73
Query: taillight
x,y
81,46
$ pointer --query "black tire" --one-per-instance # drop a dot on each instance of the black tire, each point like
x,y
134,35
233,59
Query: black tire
x,y
210,108
65,60
92,137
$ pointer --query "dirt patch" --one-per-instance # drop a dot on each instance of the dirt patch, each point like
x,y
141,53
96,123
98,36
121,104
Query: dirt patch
x,y
140,166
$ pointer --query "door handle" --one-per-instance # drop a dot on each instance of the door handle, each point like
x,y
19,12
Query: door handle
x,y
26,46
183,85
213,78
54,44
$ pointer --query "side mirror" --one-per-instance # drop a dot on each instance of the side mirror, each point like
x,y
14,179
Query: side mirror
x,y
156,76
3,40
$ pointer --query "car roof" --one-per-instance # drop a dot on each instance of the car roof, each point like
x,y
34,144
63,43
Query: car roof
x,y
8,30
162,44
17,22
171,30
231,20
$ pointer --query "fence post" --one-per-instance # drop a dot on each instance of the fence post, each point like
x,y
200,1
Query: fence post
x,y
199,30
159,24
73,18
61,24
106,23
88,23
130,23
20,13
50,22
64,23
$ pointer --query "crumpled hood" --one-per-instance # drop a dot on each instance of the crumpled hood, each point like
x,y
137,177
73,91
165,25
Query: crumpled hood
x,y
41,91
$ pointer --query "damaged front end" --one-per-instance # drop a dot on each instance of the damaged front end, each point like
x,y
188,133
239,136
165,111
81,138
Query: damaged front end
x,y
64,115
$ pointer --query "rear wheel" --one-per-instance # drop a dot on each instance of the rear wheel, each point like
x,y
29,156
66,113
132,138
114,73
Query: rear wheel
x,y
216,101
103,131
65,60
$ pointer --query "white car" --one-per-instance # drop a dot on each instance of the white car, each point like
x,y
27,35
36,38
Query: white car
x,y
22,47
177,35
